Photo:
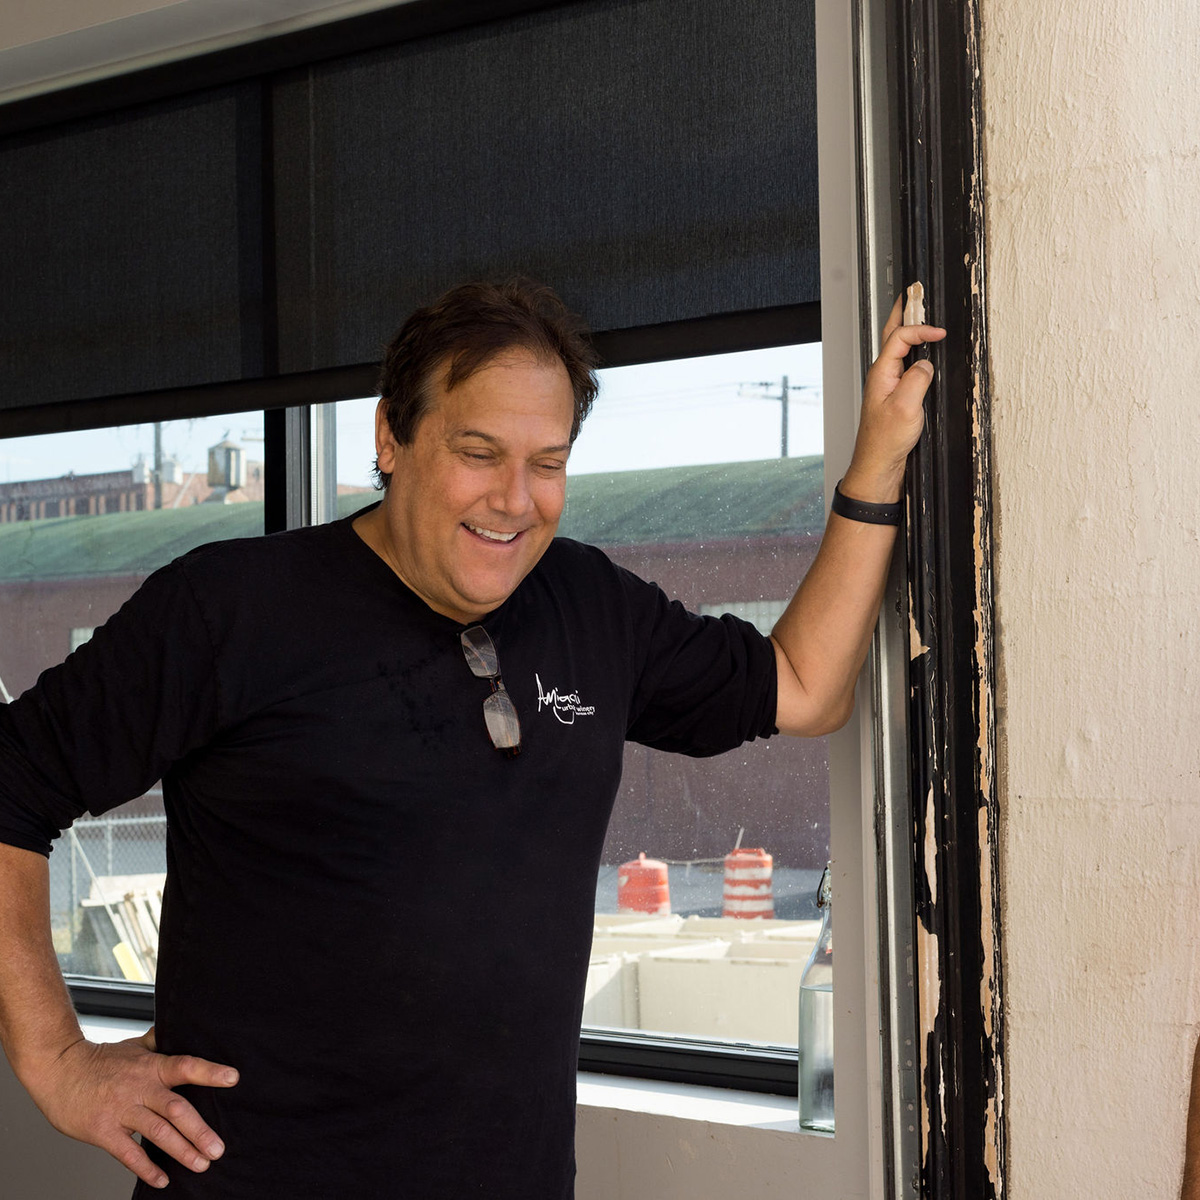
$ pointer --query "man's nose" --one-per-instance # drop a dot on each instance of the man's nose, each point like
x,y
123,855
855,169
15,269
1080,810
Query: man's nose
x,y
512,494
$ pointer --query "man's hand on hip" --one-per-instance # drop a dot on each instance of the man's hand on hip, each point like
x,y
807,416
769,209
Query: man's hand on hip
x,y
106,1093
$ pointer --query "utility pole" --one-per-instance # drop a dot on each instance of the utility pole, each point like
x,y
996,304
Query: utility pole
x,y
784,395
784,392
783,429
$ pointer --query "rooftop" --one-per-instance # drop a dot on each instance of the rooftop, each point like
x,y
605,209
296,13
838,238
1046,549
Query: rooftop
x,y
774,498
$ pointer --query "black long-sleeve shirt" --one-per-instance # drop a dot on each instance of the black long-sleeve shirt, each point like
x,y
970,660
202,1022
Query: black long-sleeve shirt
x,y
380,920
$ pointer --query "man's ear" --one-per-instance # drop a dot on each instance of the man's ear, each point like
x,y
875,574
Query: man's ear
x,y
385,441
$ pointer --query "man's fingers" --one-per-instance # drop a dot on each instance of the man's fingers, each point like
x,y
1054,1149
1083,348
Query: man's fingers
x,y
106,1094
909,393
131,1156
177,1069
903,338
887,369
191,1125
160,1130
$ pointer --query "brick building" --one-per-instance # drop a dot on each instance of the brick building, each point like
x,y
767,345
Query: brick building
x,y
229,479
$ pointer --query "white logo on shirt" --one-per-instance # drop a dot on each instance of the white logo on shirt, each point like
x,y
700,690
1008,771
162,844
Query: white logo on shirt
x,y
566,705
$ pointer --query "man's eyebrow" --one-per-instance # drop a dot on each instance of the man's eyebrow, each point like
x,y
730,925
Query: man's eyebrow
x,y
491,439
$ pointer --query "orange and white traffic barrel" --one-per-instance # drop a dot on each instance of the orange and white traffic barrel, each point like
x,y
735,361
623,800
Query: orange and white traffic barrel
x,y
642,886
748,884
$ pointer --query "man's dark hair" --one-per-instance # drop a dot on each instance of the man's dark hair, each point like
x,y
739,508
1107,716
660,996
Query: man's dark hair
x,y
466,329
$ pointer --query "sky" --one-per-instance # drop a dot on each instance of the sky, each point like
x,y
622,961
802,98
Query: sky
x,y
686,411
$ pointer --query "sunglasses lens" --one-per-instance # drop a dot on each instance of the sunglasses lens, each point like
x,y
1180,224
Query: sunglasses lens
x,y
480,653
498,710
502,724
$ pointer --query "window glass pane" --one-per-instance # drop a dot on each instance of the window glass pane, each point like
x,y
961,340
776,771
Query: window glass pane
x,y
694,474
679,474
355,454
85,517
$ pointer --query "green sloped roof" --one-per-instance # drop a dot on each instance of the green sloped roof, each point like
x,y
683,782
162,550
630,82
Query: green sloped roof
x,y
778,497
675,504
118,543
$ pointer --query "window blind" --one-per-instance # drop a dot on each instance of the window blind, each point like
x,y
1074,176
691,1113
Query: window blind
x,y
654,160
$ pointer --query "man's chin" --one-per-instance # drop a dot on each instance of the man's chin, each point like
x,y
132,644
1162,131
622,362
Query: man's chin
x,y
482,596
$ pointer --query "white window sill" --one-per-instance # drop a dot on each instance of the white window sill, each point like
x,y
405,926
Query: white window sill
x,y
690,1102
110,1029
685,1101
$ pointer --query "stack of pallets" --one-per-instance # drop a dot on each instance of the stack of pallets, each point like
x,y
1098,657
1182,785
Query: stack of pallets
x,y
124,912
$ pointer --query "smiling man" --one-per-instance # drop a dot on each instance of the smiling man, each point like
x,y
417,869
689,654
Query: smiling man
x,y
481,484
389,749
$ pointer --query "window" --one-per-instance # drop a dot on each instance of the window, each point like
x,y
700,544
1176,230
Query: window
x,y
851,756
62,576
680,474
765,508
854,260
762,614
79,635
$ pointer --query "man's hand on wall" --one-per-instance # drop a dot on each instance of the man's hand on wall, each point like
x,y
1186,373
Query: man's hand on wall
x,y
893,413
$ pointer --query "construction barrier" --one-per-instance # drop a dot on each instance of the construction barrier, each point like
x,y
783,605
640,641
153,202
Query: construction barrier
x,y
748,891
642,886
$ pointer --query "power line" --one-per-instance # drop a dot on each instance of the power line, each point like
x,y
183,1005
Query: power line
x,y
784,397
699,397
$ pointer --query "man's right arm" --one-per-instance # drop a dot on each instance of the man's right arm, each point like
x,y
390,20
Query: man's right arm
x,y
98,1093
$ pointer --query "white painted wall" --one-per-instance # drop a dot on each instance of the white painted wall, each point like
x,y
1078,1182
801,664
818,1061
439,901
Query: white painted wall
x,y
1093,274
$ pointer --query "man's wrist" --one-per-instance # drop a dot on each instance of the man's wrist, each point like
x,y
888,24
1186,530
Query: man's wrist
x,y
37,1067
35,1045
873,488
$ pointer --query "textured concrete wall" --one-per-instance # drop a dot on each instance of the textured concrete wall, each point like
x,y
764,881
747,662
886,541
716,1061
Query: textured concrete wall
x,y
1093,179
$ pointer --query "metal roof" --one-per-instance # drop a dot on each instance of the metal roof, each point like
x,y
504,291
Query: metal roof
x,y
775,498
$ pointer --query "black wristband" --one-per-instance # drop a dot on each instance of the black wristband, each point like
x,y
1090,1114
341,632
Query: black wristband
x,y
863,510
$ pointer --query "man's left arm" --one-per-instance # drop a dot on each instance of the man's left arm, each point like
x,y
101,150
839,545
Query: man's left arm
x,y
822,638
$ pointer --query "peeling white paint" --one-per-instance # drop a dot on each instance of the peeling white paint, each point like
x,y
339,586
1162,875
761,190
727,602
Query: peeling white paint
x,y
987,932
991,1142
929,988
916,646
914,304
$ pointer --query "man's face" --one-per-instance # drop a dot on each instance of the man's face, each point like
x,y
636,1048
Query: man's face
x,y
476,496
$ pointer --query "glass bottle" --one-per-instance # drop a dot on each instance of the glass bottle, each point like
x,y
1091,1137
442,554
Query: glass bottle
x,y
816,1022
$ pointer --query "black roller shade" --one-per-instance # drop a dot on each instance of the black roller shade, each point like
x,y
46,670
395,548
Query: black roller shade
x,y
131,251
655,160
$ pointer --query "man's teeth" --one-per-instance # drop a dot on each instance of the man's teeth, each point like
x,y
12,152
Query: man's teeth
x,y
491,534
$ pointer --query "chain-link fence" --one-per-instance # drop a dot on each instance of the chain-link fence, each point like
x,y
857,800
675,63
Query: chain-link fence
x,y
106,879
